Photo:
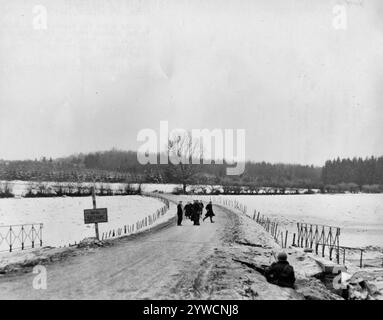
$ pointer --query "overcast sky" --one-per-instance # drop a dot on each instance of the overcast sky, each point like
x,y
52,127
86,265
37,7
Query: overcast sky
x,y
304,90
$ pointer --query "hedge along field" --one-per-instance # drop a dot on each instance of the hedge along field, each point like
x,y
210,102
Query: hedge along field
x,y
47,189
63,217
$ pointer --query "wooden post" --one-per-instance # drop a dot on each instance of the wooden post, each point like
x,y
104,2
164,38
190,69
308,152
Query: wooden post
x,y
294,240
323,250
286,233
361,258
22,237
282,239
10,239
41,234
337,244
94,207
299,234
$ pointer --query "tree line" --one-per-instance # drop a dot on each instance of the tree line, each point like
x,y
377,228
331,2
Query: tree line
x,y
336,175
354,174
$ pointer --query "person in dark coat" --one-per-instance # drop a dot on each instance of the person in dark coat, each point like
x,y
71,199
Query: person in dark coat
x,y
196,213
188,210
209,212
179,213
281,273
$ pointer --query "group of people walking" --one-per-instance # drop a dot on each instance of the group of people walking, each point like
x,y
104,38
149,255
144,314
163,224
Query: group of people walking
x,y
193,211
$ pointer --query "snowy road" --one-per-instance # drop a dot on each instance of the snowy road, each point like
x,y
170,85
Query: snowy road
x,y
170,263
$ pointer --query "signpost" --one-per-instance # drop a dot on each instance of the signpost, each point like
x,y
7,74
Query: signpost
x,y
95,215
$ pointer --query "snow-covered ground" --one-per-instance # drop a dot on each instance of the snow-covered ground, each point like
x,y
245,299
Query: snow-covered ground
x,y
63,218
360,216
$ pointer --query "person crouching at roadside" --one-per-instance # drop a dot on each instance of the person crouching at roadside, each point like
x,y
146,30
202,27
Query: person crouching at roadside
x,y
281,272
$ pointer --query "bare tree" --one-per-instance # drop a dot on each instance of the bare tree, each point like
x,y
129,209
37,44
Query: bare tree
x,y
185,155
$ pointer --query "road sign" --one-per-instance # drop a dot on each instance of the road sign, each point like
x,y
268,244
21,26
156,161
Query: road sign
x,y
95,215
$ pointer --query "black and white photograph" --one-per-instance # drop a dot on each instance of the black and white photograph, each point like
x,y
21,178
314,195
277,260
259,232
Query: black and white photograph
x,y
203,151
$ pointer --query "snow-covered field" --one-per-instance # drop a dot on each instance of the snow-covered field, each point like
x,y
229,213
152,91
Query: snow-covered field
x,y
360,216
63,218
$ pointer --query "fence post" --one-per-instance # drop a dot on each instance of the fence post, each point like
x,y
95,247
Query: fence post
x,y
22,237
286,233
361,258
33,236
282,239
10,239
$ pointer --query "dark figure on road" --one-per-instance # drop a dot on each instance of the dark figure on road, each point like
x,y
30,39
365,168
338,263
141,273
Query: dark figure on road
x,y
179,213
281,273
196,213
209,212
188,210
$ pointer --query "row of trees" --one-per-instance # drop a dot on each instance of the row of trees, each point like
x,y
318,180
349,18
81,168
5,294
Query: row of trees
x,y
120,166
57,170
337,175
355,171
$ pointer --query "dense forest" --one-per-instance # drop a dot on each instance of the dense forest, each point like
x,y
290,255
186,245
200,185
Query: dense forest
x,y
337,175
353,175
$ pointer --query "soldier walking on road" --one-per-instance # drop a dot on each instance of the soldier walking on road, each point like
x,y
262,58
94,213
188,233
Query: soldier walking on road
x,y
209,212
196,213
179,213
188,210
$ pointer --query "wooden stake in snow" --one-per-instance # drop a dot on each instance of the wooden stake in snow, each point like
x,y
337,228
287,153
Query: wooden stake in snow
x,y
94,207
